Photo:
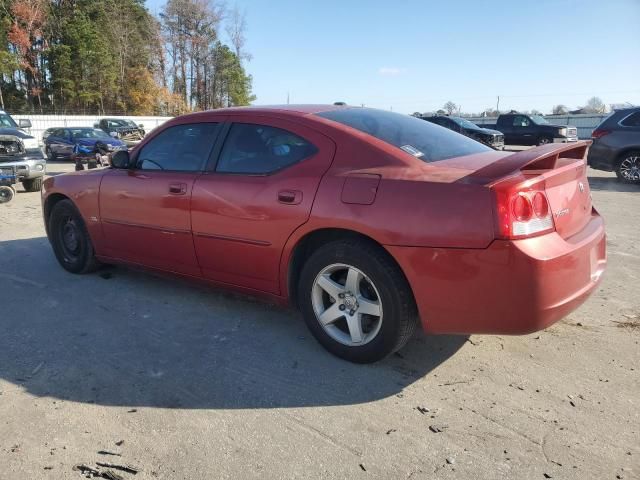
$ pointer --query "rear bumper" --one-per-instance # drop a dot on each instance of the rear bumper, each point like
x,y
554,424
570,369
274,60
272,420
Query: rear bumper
x,y
601,157
511,287
565,139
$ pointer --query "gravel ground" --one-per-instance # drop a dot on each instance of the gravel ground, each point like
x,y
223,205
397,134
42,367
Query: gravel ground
x,y
182,382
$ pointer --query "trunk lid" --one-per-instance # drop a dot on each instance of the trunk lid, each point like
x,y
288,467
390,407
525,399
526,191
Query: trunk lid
x,y
561,168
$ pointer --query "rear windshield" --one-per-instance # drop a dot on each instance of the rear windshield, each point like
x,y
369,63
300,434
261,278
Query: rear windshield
x,y
423,140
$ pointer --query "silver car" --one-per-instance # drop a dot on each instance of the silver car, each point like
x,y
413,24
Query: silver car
x,y
20,150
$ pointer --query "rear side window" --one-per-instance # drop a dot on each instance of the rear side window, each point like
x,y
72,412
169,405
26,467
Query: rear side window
x,y
632,120
260,149
414,136
183,148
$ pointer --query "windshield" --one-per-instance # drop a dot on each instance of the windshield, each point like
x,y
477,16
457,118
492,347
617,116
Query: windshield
x,y
539,120
414,136
464,123
7,121
88,133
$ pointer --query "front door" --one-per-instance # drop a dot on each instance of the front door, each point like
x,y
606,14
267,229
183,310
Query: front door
x,y
260,190
146,210
523,131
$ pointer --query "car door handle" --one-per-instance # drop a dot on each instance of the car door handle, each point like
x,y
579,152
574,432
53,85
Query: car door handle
x,y
177,188
291,197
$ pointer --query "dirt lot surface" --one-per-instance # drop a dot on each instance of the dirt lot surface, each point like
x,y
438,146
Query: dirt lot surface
x,y
182,382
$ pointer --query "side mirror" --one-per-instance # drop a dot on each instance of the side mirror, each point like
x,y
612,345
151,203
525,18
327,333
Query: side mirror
x,y
113,134
24,123
121,159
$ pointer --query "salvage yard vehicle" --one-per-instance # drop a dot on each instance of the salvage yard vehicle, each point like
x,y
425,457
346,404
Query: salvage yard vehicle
x,y
20,150
523,129
80,143
616,145
368,221
8,178
125,130
491,138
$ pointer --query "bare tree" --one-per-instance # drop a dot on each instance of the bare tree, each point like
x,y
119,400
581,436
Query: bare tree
x,y
450,107
595,105
560,110
236,29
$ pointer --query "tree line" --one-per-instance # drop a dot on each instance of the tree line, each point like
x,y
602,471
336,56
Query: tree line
x,y
115,57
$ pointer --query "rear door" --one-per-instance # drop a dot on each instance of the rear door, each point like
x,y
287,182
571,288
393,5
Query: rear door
x,y
146,210
248,203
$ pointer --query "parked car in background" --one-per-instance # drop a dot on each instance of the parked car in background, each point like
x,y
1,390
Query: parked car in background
x,y
616,145
20,150
367,220
85,142
523,129
491,138
125,130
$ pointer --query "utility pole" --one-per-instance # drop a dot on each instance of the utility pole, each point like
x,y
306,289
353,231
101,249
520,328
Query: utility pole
x,y
498,105
287,98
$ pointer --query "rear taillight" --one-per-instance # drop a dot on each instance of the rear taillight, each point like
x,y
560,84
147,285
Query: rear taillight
x,y
522,210
599,133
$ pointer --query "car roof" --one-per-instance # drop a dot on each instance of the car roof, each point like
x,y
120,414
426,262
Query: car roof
x,y
294,110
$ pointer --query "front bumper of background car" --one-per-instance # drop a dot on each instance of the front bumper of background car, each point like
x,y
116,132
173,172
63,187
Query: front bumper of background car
x,y
27,167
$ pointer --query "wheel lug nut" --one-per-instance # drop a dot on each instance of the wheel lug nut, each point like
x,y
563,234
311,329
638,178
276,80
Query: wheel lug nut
x,y
341,307
351,312
341,295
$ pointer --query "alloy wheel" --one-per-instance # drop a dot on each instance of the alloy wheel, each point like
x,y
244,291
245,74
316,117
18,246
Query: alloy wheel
x,y
630,168
347,304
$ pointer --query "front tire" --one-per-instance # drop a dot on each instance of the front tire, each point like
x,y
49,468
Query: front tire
x,y
50,155
356,301
33,185
544,140
70,240
628,169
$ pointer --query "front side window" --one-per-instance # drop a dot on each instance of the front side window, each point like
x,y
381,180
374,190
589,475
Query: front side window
x,y
179,148
261,149
416,137
521,121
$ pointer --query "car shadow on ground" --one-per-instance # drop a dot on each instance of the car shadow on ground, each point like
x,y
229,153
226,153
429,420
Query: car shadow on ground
x,y
121,337
612,184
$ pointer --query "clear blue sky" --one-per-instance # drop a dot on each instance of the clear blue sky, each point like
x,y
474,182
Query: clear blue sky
x,y
414,55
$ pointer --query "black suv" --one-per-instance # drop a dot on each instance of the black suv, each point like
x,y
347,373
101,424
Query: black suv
x,y
616,145
492,138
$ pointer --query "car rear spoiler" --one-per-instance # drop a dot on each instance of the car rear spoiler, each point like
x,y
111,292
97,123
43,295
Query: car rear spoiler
x,y
545,157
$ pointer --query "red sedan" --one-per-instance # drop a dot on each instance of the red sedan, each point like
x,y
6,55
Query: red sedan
x,y
368,221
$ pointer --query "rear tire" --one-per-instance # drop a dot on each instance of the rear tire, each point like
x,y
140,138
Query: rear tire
x,y
377,286
628,169
33,185
6,193
70,240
